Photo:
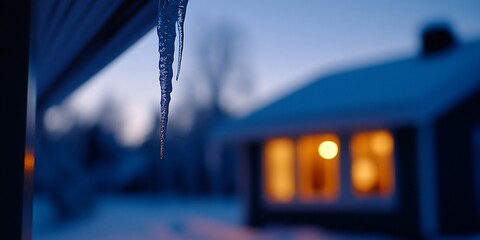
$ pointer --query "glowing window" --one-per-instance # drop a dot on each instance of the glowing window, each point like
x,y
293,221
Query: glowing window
x,y
372,168
318,166
279,179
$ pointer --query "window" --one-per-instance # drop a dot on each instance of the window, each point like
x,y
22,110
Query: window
x,y
318,171
279,179
372,168
314,159
308,169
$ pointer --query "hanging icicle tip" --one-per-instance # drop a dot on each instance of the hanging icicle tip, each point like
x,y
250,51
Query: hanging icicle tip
x,y
171,14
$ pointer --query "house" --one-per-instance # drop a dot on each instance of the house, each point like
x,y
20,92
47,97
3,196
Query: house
x,y
391,148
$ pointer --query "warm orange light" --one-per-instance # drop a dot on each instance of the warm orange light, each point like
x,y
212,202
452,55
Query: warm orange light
x,y
318,170
279,181
328,149
382,143
372,168
364,174
29,161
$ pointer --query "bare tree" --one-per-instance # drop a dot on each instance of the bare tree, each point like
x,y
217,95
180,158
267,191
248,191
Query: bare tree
x,y
222,77
223,66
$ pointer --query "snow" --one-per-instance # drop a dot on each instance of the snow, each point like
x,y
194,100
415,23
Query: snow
x,y
171,13
153,217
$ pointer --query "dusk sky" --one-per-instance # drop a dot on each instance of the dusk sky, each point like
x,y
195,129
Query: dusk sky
x,y
286,44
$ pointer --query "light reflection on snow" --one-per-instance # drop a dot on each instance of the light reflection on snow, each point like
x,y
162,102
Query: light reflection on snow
x,y
169,218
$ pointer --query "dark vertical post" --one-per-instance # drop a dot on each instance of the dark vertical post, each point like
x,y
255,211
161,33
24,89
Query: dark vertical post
x,y
16,163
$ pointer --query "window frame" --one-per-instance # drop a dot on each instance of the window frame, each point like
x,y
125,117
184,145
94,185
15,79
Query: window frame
x,y
346,199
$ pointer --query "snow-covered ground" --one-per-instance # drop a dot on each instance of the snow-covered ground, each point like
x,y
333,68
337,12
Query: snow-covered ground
x,y
143,217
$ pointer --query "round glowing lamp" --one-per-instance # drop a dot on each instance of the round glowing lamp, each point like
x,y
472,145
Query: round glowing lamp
x,y
382,143
364,174
328,150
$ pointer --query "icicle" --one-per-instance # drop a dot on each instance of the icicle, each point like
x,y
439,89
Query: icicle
x,y
182,8
170,13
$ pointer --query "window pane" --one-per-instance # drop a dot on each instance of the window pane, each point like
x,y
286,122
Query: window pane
x,y
372,168
318,171
279,170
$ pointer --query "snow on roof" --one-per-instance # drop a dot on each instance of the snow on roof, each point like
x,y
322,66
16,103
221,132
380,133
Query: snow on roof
x,y
400,92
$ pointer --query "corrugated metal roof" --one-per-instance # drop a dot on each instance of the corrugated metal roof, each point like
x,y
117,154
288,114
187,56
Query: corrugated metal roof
x,y
73,40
